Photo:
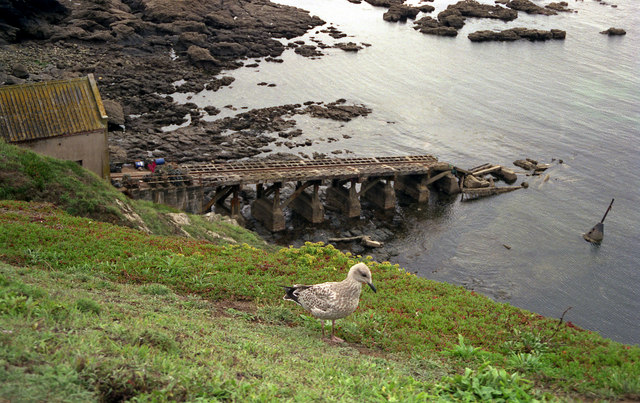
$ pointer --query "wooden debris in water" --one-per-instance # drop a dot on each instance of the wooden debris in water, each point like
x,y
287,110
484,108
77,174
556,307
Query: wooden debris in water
x,y
473,185
364,239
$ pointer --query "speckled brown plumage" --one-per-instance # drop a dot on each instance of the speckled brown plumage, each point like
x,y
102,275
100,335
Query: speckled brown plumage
x,y
333,300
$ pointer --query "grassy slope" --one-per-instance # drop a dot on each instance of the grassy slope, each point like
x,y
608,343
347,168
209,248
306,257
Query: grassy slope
x,y
27,176
413,320
93,311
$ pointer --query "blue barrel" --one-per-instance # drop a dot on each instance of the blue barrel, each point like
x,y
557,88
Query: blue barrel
x,y
139,164
159,161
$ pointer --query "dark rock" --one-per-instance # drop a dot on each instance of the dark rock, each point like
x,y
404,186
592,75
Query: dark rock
x,y
201,57
229,50
187,39
308,51
426,8
219,21
529,7
515,34
400,12
471,8
115,112
614,31
561,6
384,3
13,80
430,26
216,84
337,111
348,47
451,17
20,71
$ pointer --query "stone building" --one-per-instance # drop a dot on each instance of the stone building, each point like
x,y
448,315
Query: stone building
x,y
64,119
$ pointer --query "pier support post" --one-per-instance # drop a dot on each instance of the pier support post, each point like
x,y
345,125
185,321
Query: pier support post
x,y
413,186
448,184
343,199
269,212
308,205
221,194
379,192
158,194
181,197
194,199
171,196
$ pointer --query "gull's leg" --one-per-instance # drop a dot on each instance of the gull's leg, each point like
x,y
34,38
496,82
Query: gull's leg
x,y
333,336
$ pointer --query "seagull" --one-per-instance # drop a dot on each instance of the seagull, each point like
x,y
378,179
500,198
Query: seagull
x,y
333,300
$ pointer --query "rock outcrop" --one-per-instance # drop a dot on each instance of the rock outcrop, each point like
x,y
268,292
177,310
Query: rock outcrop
x,y
614,31
453,18
529,7
515,34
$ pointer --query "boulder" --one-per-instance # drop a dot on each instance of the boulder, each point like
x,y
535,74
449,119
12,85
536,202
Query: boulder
x,y
348,47
228,50
614,31
115,112
515,34
308,51
201,57
451,17
528,7
384,3
219,21
561,6
20,71
472,182
187,39
430,26
471,8
400,12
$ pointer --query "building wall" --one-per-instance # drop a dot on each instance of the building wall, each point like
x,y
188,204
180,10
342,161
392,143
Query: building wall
x,y
90,148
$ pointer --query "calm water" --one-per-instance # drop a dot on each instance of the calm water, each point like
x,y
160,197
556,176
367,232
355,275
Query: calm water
x,y
577,100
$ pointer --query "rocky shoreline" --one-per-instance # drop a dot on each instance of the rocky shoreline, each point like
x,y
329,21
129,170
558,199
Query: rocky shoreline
x,y
140,51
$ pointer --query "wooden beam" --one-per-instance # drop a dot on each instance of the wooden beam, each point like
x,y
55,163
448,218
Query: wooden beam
x,y
485,171
272,189
300,189
437,177
221,194
369,184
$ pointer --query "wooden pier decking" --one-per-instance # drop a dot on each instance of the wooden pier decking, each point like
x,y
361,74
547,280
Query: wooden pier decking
x,y
347,180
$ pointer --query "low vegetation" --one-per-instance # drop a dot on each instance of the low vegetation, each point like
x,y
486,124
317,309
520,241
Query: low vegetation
x,y
92,311
28,176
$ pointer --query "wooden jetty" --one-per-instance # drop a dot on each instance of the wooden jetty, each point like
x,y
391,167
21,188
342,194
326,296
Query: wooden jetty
x,y
201,187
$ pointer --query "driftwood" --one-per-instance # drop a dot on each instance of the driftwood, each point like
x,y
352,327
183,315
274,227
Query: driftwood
x,y
488,191
364,239
497,171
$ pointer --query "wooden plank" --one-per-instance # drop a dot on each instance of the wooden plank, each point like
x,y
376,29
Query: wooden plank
x,y
490,191
437,177
296,193
485,171
472,170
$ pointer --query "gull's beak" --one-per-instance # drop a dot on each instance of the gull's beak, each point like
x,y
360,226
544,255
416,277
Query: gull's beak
x,y
372,287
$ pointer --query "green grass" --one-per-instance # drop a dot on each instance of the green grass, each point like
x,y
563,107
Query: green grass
x,y
92,311
168,347
27,176
420,329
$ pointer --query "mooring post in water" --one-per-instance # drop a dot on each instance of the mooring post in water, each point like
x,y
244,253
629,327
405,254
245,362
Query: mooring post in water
x,y
597,232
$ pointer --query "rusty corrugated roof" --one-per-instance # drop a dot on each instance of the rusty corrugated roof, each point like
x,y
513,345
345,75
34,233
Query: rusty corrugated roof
x,y
50,109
